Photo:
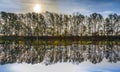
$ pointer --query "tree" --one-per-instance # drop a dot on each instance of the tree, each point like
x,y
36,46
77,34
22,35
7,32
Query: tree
x,y
110,23
96,19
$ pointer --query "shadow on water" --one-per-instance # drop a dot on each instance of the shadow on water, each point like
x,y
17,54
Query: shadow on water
x,y
59,51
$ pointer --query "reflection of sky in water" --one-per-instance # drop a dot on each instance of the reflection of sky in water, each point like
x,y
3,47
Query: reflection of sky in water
x,y
62,67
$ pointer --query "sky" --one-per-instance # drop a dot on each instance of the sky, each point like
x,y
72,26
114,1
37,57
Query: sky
x,y
86,7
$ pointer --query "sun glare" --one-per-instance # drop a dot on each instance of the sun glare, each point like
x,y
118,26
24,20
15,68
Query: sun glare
x,y
37,8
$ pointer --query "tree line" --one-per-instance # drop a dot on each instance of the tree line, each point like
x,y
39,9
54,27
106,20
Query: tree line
x,y
53,24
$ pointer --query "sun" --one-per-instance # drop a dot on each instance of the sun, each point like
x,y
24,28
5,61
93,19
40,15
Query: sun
x,y
37,8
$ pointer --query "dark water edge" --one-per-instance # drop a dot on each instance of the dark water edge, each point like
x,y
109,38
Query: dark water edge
x,y
60,40
84,38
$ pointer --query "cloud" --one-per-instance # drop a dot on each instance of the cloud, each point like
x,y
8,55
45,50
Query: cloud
x,y
83,11
10,5
107,12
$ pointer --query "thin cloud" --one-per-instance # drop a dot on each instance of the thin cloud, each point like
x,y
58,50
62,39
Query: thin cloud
x,y
106,13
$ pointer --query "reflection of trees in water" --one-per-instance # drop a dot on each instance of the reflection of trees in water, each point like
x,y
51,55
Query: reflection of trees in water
x,y
49,54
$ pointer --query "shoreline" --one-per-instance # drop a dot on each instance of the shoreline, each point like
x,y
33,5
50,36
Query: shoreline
x,y
73,38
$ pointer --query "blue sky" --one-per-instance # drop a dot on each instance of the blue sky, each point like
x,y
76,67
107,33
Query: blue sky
x,y
86,7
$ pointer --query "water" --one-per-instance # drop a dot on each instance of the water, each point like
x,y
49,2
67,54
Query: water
x,y
103,56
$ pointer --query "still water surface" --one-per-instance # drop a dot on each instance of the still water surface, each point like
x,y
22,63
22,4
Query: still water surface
x,y
74,57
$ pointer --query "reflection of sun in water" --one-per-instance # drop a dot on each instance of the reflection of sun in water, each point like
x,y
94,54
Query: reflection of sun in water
x,y
37,8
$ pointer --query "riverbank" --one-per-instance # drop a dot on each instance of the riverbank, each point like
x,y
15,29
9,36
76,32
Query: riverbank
x,y
83,38
60,40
